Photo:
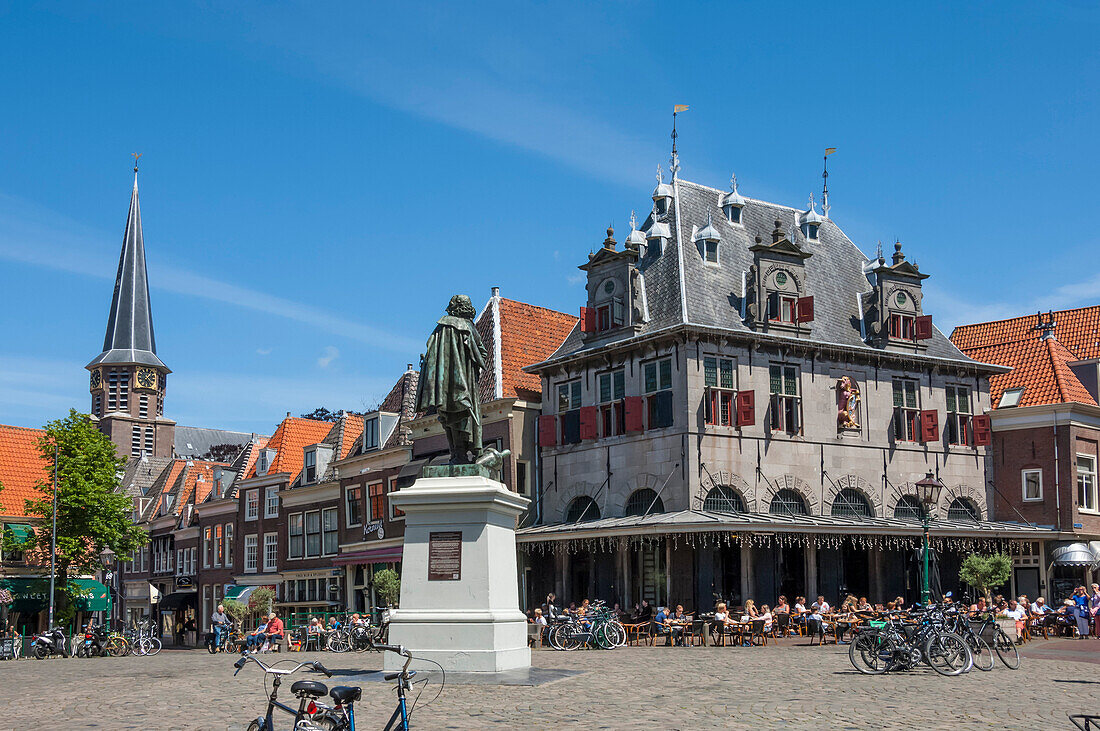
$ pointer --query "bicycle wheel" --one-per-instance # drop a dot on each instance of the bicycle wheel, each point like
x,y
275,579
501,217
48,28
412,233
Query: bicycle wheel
x,y
139,646
568,639
153,646
983,655
870,653
116,647
552,636
948,654
1006,650
339,641
604,636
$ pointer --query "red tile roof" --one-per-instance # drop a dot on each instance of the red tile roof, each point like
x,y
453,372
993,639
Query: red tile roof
x,y
288,441
1040,367
192,483
528,334
21,468
1078,330
353,429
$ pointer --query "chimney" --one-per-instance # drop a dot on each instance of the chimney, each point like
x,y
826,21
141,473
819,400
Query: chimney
x,y
1046,327
496,291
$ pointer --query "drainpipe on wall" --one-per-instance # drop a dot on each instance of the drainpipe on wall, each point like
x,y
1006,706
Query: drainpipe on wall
x,y
1057,485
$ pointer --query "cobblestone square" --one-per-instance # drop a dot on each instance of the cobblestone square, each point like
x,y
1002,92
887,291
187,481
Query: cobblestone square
x,y
788,685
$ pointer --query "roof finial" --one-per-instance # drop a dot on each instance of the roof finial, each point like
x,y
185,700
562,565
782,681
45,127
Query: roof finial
x,y
825,181
674,161
660,177
898,256
878,250
135,155
811,201
633,221
733,182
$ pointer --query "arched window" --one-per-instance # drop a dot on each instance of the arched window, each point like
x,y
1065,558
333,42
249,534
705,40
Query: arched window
x,y
850,503
640,500
788,502
582,508
908,508
962,509
723,499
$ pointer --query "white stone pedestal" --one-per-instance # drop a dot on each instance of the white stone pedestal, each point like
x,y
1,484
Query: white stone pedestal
x,y
464,617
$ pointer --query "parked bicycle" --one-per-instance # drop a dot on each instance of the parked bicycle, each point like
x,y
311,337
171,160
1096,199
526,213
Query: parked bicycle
x,y
597,628
307,692
342,716
902,642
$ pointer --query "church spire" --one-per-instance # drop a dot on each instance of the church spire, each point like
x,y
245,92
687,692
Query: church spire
x,y
129,338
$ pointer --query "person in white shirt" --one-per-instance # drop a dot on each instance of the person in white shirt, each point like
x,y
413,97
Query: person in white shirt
x,y
821,605
1016,612
766,615
539,619
1039,606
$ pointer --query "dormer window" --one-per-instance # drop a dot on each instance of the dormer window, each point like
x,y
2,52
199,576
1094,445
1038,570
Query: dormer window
x,y
733,214
707,240
311,465
732,203
262,463
810,230
902,327
710,251
370,434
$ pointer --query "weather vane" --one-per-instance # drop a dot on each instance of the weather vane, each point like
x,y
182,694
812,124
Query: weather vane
x,y
135,155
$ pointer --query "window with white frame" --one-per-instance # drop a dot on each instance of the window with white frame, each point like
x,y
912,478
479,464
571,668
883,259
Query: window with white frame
x,y
353,498
229,545
1032,481
1086,482
902,327
271,504
331,530
718,379
521,478
295,530
250,554
370,434
611,390
569,396
219,545
396,514
181,564
1011,397
906,410
271,551
207,547
313,533
251,504
193,561
786,404
311,466
958,415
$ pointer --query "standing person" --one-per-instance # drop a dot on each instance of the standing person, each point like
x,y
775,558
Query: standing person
x,y
1094,609
1081,611
218,624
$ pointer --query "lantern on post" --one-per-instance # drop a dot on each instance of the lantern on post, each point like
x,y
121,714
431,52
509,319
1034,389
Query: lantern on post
x,y
928,492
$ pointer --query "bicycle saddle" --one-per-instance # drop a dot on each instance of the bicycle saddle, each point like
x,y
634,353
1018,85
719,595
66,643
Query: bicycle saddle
x,y
346,693
309,687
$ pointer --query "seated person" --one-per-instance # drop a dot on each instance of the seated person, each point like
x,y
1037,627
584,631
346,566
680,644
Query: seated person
x,y
333,624
661,627
721,614
821,605
315,629
750,611
255,638
979,606
766,615
781,606
677,622
1016,612
864,605
800,605
1039,607
274,632
645,611
539,619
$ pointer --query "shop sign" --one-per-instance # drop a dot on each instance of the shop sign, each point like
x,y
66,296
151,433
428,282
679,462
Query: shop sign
x,y
184,582
375,526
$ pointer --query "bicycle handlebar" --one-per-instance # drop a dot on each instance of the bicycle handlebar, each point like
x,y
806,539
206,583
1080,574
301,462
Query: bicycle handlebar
x,y
316,666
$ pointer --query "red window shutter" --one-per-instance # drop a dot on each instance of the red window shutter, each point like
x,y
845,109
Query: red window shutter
x,y
588,319
548,430
922,329
929,426
805,309
746,408
635,413
983,431
589,422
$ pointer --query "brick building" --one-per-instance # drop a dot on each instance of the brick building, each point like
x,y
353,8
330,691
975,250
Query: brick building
x,y
1046,428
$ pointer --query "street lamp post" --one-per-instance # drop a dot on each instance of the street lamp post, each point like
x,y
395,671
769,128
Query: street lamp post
x,y
928,490
107,558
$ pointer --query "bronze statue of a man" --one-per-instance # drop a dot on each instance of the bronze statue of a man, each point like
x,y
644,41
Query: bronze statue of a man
x,y
449,379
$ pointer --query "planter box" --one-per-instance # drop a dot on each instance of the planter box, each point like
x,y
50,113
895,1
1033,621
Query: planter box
x,y
1009,627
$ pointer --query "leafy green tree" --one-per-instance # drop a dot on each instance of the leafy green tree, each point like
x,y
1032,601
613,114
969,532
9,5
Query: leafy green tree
x,y
91,512
388,585
985,572
236,611
261,600
320,414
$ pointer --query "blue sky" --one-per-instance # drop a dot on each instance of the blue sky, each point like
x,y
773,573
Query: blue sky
x,y
318,179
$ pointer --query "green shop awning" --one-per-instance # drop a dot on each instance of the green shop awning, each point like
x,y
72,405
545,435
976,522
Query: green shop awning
x,y
19,533
32,594
90,595
239,593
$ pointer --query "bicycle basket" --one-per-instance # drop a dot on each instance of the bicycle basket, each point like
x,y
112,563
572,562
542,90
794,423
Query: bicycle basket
x,y
876,624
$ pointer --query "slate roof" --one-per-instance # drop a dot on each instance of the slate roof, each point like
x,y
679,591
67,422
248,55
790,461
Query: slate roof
x,y
141,473
1077,329
401,400
195,441
129,337
21,468
165,484
711,296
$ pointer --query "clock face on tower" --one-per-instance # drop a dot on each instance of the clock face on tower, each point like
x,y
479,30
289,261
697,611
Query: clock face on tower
x,y
96,379
146,378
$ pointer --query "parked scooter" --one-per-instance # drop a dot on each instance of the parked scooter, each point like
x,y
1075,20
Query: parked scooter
x,y
95,642
51,642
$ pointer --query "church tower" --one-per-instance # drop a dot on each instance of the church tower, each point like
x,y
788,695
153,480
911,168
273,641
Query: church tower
x,y
128,379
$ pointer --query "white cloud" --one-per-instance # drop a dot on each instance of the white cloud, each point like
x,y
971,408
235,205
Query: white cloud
x,y
38,237
330,354
952,310
263,351
575,279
